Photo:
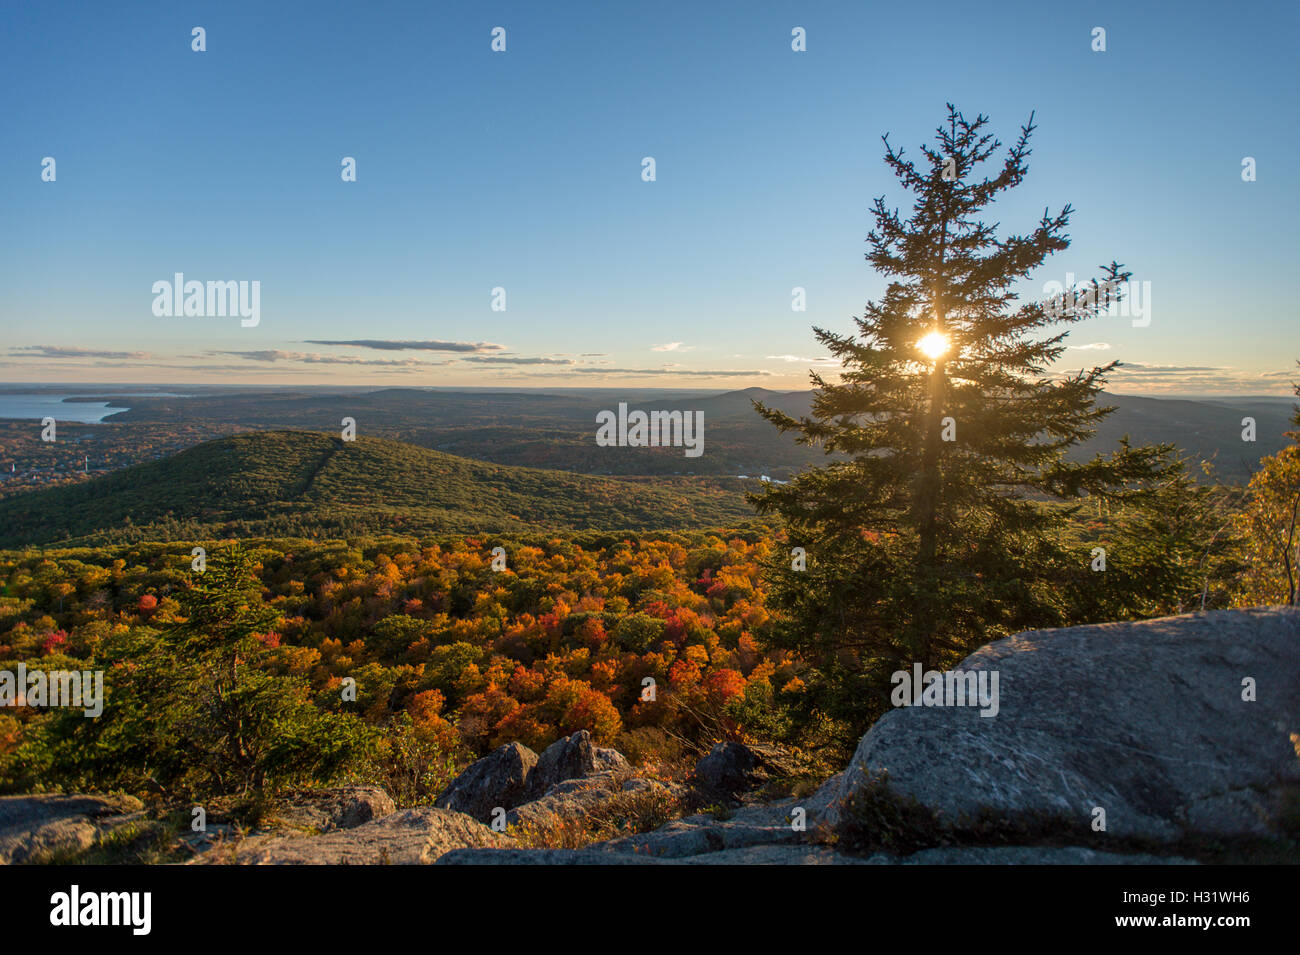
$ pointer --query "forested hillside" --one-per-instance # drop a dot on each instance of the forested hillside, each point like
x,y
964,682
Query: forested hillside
x,y
307,484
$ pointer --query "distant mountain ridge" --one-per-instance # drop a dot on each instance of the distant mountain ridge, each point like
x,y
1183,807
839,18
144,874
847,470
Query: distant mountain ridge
x,y
556,431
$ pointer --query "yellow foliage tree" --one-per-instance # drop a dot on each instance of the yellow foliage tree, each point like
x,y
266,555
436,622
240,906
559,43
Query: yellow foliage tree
x,y
1268,526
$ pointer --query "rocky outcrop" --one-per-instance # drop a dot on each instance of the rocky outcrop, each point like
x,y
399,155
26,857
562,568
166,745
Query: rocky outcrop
x,y
731,770
1153,722
410,837
342,807
39,828
1181,727
571,799
569,779
763,825
805,854
498,779
574,757
683,839
571,775
764,835
1177,728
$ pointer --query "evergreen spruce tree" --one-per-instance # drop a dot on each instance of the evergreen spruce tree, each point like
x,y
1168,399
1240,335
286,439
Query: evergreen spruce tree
x,y
198,709
948,513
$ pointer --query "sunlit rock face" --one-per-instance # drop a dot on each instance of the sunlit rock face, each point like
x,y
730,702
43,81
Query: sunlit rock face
x,y
1185,725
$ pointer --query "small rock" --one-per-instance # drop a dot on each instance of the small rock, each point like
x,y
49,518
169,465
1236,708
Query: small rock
x,y
341,807
768,824
571,799
571,758
731,770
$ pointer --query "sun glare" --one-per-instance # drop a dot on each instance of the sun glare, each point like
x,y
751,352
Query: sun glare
x,y
933,345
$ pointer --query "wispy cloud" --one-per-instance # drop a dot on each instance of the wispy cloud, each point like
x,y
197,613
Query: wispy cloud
x,y
432,345
1092,346
672,346
62,351
1197,379
1137,367
517,360
312,358
824,361
653,372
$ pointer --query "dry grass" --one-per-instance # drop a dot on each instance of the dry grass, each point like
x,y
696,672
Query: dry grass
x,y
622,814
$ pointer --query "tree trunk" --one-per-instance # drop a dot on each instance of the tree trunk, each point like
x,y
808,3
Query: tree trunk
x,y
927,515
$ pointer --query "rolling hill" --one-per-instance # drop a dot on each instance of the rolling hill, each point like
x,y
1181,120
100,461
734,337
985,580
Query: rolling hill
x,y
308,484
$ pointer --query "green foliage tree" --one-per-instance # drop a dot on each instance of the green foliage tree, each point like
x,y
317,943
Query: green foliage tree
x,y
195,710
944,520
639,632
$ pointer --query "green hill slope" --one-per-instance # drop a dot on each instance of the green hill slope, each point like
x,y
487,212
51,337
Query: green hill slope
x,y
295,483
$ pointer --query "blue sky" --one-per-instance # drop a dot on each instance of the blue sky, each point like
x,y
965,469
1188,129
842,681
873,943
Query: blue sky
x,y
522,170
